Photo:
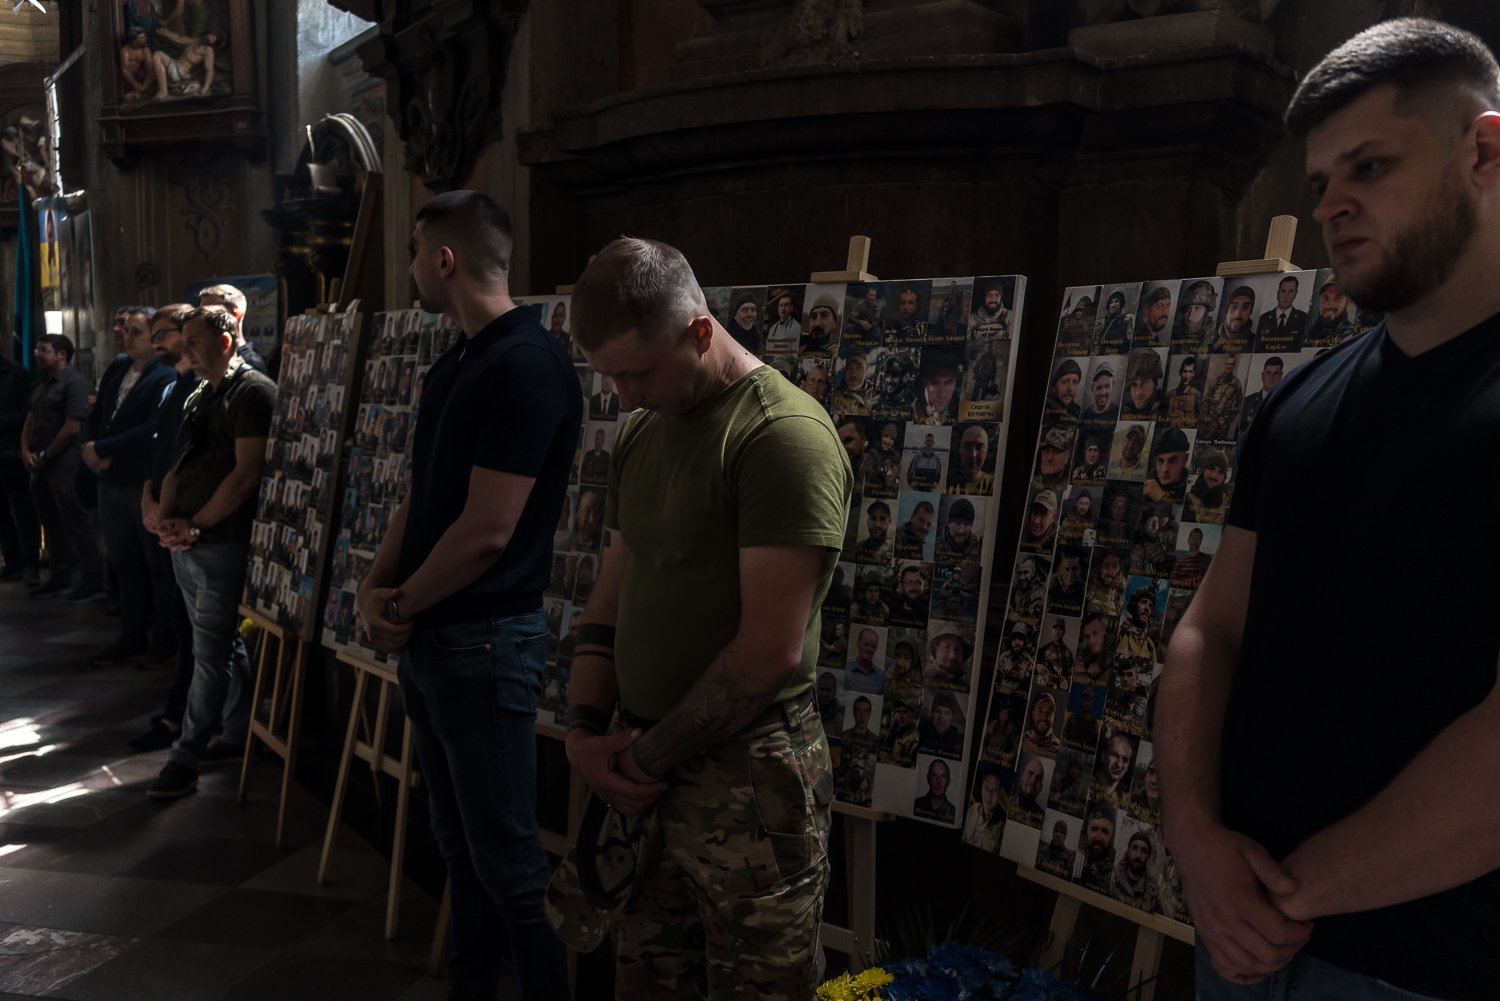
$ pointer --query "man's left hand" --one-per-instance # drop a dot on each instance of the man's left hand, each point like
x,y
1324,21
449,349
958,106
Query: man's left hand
x,y
174,534
630,768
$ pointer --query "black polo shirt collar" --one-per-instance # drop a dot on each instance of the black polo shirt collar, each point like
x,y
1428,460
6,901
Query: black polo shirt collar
x,y
493,332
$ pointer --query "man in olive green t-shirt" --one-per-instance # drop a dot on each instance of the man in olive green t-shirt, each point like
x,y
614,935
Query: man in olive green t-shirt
x,y
727,503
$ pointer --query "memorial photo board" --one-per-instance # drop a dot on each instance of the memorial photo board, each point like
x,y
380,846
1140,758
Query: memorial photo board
x,y
1150,387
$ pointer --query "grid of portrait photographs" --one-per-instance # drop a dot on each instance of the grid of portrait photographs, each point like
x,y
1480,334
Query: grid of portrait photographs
x,y
1150,388
916,376
377,463
296,490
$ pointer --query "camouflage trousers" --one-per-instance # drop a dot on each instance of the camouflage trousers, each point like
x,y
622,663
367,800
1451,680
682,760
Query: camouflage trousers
x,y
732,907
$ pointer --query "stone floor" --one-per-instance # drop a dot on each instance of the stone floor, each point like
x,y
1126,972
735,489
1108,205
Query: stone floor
x,y
107,895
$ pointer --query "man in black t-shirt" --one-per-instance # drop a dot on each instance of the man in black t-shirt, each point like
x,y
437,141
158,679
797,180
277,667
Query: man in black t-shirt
x,y
1374,874
457,587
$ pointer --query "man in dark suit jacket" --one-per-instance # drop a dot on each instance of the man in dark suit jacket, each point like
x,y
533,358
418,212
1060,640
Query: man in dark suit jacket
x,y
605,404
1283,325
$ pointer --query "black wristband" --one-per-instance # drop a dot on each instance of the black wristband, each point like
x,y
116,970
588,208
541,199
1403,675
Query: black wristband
x,y
590,718
595,634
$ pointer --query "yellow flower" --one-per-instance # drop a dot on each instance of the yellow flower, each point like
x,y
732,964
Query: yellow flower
x,y
871,980
863,986
841,989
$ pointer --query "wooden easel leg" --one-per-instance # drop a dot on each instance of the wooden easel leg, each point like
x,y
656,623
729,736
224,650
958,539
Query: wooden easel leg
x,y
293,731
1145,964
398,837
336,808
439,953
1060,931
859,868
377,736
263,652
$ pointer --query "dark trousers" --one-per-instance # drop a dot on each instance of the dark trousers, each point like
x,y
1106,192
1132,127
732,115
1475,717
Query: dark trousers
x,y
125,540
471,693
182,674
70,530
20,532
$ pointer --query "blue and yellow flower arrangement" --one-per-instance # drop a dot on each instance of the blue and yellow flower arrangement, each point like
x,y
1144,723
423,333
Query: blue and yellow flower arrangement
x,y
952,971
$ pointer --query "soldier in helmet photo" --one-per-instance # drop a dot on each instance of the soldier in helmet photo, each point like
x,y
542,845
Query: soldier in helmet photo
x,y
1075,329
1143,379
937,386
1112,329
1195,316
1052,457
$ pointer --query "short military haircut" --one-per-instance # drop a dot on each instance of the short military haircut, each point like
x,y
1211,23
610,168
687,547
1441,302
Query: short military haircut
x,y
474,226
635,284
1414,54
228,296
59,343
218,319
147,311
175,313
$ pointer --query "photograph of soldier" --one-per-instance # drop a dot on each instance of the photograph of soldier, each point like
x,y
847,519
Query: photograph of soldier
x,y
1145,787
990,317
1033,777
564,570
1132,882
1065,592
1236,328
869,605
924,459
955,593
1085,709
604,402
1075,328
1097,844
1196,308
1180,408
1135,641
941,728
858,733
908,323
972,469
864,671
1113,765
600,438
1095,649
1014,665
813,378
879,468
1271,369
937,385
898,734
914,536
950,646
1053,457
1129,692
1196,545
584,579
588,523
854,776
1062,394
830,704
1119,512
960,529
1219,418
744,318
910,603
874,544
1102,405
1028,588
949,308
1113,328
1178,600
840,591
1153,327
1128,453
1053,856
985,375
1039,531
851,383
1167,479
1070,781
784,320
833,643
1332,324
1091,460
933,803
904,665
985,819
1041,723
864,307
1054,658
1280,328
1155,546
1143,384
820,323
1079,509
1207,497
1002,731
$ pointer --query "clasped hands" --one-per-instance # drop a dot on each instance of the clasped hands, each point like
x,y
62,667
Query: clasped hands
x,y
174,534
608,764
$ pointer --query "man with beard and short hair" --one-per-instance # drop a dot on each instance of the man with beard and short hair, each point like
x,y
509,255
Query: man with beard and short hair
x,y
1128,464
1029,588
1332,325
958,543
1234,333
1142,385
1208,498
1132,881
1041,735
950,654
869,605
822,328
1099,851
1028,788
907,325
1014,665
989,319
1283,324
1100,411
935,805
1156,313
985,820
1112,330
1169,464
1107,590
1094,658
851,432
1055,857
911,535
1270,376
1062,396
876,547
910,608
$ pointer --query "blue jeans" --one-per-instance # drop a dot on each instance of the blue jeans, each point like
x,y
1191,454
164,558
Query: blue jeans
x,y
470,692
1303,979
212,578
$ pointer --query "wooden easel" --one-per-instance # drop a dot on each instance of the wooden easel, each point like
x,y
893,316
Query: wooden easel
x,y
1148,937
283,721
1278,251
371,749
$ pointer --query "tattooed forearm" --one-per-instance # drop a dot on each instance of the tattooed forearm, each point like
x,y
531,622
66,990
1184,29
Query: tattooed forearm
x,y
722,702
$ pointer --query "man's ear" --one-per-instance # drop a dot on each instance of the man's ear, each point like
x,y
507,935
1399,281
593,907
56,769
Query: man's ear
x,y
702,329
1486,140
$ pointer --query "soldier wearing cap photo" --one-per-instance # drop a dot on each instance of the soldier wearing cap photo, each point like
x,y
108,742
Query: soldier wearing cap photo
x,y
1194,327
851,385
1101,411
1135,644
1028,589
1014,665
911,601
1054,659
1207,499
967,473
941,733
934,804
1132,882
1039,534
1065,592
958,542
869,605
1143,378
821,332
1062,396
1092,460
1332,325
1235,330
875,546
1222,400
1271,371
1156,314
1112,329
1053,455
1169,466
937,386
990,319
1280,328
1073,329
1183,399
1054,857
784,332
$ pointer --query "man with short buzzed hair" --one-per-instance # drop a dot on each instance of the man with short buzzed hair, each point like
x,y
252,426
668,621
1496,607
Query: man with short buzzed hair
x,y
233,300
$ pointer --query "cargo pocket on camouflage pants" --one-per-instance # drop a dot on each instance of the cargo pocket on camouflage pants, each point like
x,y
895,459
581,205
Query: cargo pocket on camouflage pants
x,y
792,785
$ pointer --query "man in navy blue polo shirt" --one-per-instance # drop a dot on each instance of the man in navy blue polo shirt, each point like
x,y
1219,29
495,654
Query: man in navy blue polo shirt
x,y
457,587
